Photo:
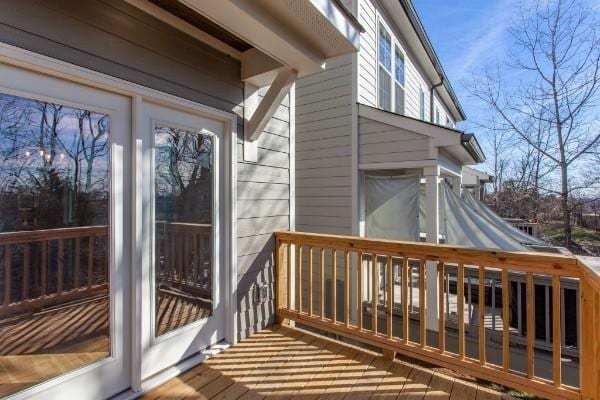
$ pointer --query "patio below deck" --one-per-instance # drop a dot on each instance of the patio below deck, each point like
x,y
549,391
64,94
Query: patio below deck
x,y
286,363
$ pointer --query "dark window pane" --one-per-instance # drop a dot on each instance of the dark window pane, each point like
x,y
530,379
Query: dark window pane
x,y
385,90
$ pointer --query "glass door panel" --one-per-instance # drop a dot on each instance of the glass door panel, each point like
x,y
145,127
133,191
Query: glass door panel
x,y
183,211
54,240
182,309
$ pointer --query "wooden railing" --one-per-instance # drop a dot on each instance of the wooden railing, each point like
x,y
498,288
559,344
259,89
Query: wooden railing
x,y
378,277
34,272
184,256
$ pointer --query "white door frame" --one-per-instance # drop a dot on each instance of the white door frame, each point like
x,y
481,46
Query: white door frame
x,y
36,62
160,352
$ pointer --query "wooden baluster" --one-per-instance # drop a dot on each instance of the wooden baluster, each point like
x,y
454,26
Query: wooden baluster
x,y
390,297
171,267
505,321
481,305
7,271
280,286
422,306
310,281
77,263
347,288
334,285
359,287
405,316
375,292
181,250
556,341
60,266
530,326
322,282
186,255
588,324
442,308
26,267
299,277
90,266
289,275
461,310
44,268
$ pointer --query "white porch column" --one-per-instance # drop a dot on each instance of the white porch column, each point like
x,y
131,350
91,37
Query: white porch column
x,y
432,175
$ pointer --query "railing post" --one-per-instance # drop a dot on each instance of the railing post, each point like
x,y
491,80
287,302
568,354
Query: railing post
x,y
280,281
589,348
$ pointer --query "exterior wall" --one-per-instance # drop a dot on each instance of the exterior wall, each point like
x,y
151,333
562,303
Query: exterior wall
x,y
324,149
370,13
446,160
117,39
382,143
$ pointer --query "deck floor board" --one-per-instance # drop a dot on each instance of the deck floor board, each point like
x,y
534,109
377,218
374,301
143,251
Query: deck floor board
x,y
282,363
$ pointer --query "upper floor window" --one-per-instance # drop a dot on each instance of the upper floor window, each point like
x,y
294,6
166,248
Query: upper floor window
x,y
437,116
422,105
399,81
385,69
448,122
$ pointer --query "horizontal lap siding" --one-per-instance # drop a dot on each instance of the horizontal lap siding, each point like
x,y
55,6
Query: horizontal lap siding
x,y
114,38
263,208
324,149
367,56
381,143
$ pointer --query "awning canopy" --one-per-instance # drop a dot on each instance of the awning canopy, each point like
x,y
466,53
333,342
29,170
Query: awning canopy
x,y
481,209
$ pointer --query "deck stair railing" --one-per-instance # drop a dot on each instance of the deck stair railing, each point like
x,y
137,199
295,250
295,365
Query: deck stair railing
x,y
50,266
308,263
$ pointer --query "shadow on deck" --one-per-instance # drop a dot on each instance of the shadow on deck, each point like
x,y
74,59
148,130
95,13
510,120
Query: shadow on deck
x,y
284,363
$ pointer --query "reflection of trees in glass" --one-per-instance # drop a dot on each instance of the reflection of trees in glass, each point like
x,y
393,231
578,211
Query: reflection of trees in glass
x,y
183,175
53,165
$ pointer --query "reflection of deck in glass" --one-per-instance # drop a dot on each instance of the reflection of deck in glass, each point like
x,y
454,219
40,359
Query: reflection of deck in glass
x,y
184,274
38,346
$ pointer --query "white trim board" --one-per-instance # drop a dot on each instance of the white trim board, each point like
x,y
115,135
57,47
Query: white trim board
x,y
26,59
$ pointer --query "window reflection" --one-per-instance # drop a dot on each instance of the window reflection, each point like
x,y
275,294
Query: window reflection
x,y
184,217
54,197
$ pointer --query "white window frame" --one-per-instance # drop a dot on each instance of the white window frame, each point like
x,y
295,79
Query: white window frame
x,y
395,45
26,59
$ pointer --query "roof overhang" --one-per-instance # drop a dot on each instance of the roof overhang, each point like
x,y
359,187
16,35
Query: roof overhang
x,y
300,34
463,147
409,24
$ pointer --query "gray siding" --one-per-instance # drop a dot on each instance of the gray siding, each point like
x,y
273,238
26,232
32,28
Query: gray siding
x,y
324,149
381,143
117,39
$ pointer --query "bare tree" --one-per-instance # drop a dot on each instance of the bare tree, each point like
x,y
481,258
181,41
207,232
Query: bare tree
x,y
557,60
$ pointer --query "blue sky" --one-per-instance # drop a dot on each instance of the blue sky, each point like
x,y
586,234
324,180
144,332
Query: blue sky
x,y
467,35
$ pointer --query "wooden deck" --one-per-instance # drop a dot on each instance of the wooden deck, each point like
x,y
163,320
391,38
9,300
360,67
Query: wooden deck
x,y
35,347
284,363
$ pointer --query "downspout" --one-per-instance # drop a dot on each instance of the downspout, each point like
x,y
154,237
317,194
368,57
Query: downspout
x,y
431,98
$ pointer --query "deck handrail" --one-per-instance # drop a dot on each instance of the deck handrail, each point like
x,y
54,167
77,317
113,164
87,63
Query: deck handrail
x,y
361,257
24,243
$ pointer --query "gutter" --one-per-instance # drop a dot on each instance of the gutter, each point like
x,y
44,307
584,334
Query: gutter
x,y
471,145
413,17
